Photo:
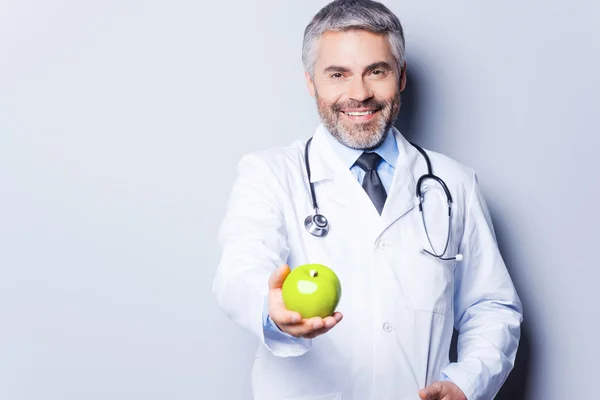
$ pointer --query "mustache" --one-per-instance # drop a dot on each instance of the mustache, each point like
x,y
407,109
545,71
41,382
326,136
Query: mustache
x,y
353,104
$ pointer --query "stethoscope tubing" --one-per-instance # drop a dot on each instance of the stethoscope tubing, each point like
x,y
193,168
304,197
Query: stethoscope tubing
x,y
318,225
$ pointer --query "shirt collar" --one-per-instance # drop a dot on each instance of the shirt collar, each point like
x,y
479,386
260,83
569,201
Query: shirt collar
x,y
388,150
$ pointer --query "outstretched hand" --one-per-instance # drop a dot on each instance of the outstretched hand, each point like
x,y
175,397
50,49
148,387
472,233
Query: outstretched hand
x,y
292,322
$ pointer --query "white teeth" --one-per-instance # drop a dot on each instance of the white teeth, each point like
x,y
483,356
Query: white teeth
x,y
357,113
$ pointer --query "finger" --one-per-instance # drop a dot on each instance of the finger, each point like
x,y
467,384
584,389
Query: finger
x,y
307,326
277,310
424,395
329,323
337,316
316,333
432,392
278,313
278,276
284,318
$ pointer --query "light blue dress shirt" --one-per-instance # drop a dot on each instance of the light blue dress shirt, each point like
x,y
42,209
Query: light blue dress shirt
x,y
388,150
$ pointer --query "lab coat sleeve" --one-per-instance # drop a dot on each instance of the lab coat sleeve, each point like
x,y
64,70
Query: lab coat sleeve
x,y
254,243
488,312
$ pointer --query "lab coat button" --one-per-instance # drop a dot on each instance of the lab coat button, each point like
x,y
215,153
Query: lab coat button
x,y
382,245
387,326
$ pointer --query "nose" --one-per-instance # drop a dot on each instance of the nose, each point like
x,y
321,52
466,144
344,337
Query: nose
x,y
358,90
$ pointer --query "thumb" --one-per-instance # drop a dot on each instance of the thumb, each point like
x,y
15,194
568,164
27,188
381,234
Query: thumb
x,y
278,276
432,392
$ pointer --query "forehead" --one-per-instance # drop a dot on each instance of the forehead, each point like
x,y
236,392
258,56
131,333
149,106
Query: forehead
x,y
353,48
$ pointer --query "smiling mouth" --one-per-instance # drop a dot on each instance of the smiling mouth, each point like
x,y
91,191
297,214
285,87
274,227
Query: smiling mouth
x,y
359,113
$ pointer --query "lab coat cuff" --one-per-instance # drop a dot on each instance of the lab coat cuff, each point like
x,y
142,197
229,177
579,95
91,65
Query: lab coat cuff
x,y
453,374
280,343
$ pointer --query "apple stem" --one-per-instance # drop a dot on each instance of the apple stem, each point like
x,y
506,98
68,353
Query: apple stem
x,y
313,273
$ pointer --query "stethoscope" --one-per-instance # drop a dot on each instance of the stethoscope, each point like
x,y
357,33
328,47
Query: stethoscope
x,y
317,224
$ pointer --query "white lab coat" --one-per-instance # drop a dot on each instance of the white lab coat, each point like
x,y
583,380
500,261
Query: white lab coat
x,y
399,304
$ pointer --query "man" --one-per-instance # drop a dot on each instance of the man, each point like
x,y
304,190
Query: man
x,y
399,303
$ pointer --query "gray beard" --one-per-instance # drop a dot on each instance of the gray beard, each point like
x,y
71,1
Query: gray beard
x,y
361,139
367,136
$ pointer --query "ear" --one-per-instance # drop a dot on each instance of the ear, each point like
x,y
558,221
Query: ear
x,y
403,77
310,84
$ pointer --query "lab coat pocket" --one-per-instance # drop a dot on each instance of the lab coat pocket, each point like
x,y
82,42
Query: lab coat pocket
x,y
333,396
427,283
430,284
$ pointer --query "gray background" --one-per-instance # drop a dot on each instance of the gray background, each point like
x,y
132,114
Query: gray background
x,y
120,126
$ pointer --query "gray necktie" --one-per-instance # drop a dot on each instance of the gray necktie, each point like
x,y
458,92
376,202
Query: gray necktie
x,y
372,184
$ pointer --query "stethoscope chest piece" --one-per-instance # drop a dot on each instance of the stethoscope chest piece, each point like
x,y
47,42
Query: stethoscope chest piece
x,y
317,225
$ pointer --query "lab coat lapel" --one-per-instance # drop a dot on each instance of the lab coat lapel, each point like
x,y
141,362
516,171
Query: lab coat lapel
x,y
402,196
333,180
320,158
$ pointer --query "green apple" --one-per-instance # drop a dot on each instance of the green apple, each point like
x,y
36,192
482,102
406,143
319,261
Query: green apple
x,y
313,290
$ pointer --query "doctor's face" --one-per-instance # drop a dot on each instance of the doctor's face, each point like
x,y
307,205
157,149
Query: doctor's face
x,y
357,87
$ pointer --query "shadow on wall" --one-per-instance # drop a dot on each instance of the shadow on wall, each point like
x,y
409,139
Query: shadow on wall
x,y
517,385
412,111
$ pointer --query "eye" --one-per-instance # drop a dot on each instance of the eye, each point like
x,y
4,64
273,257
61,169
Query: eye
x,y
337,75
378,72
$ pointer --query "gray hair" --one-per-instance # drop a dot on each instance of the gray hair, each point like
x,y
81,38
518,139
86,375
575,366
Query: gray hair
x,y
346,15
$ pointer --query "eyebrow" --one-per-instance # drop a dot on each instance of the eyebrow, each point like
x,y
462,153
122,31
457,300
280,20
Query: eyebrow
x,y
335,68
379,64
370,67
